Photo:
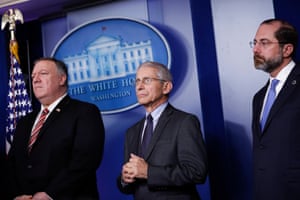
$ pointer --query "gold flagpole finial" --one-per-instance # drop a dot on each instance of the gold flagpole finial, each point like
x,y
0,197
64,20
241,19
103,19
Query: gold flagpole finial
x,y
11,16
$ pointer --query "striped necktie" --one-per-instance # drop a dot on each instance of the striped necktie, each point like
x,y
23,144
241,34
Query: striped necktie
x,y
37,128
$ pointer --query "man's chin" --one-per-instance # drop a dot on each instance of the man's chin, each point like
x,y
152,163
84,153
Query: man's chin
x,y
260,67
141,102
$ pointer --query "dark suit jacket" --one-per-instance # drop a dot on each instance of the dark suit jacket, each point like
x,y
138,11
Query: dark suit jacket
x,y
64,159
176,156
276,149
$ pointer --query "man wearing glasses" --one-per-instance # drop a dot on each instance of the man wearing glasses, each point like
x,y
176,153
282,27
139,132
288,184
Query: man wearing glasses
x,y
167,160
276,113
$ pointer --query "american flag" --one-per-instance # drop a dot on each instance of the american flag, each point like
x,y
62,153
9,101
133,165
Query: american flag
x,y
18,101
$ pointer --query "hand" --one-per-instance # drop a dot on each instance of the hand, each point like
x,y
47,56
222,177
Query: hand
x,y
127,173
139,165
135,168
23,197
41,196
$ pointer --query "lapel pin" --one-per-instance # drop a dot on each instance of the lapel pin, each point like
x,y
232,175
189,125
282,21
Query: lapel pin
x,y
294,82
57,109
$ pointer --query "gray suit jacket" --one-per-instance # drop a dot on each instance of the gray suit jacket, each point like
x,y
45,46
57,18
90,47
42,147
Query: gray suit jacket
x,y
176,156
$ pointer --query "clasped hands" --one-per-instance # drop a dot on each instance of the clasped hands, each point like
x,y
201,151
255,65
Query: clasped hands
x,y
136,167
37,196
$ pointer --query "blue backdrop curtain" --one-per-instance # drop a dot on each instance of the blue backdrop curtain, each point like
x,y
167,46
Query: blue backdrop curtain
x,y
211,98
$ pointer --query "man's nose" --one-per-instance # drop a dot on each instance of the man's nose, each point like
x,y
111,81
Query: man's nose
x,y
35,78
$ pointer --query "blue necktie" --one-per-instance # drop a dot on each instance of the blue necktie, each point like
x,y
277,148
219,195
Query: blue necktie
x,y
147,134
270,99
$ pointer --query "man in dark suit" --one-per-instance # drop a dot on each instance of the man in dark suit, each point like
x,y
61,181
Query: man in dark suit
x,y
276,142
175,159
61,162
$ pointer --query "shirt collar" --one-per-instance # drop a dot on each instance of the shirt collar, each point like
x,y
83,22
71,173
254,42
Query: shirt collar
x,y
54,104
284,73
157,112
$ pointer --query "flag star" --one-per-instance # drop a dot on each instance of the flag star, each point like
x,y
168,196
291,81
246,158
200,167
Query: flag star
x,y
18,102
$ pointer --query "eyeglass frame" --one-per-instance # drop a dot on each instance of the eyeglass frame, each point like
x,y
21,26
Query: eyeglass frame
x,y
148,80
263,43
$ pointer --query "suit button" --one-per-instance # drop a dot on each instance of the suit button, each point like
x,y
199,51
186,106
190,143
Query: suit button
x,y
29,166
261,146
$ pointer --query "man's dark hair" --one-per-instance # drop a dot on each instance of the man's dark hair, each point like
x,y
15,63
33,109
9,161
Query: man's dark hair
x,y
286,34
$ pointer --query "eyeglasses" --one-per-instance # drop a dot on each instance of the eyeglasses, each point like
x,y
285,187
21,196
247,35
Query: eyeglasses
x,y
147,80
263,43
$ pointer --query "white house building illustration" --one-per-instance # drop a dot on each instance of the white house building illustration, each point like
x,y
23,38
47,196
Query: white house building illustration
x,y
107,57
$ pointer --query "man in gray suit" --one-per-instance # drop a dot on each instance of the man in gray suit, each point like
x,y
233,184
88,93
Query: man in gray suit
x,y
175,159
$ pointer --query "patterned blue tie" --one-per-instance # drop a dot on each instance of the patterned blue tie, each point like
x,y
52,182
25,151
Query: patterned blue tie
x,y
270,99
147,134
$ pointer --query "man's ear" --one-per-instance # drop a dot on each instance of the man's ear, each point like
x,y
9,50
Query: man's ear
x,y
63,79
288,49
167,87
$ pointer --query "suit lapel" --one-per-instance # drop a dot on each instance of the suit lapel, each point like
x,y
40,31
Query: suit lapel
x,y
53,116
287,89
30,123
159,129
136,141
258,108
